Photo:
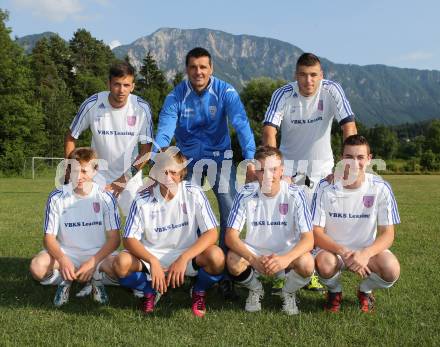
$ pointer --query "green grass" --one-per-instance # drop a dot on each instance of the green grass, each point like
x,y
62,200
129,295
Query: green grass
x,y
407,314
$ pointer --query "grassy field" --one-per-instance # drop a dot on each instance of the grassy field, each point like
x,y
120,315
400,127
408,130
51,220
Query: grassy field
x,y
407,314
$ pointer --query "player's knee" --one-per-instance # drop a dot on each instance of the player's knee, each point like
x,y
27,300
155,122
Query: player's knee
x,y
305,265
215,260
390,270
121,264
37,268
326,265
233,264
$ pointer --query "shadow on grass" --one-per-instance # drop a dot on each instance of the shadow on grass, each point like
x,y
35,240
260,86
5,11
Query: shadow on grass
x,y
19,290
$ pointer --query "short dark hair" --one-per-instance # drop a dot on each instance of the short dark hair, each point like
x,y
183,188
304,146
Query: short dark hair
x,y
263,152
307,59
356,140
197,52
121,69
84,155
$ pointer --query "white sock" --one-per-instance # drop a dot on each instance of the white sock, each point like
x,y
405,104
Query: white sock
x,y
53,279
333,283
294,282
374,282
252,282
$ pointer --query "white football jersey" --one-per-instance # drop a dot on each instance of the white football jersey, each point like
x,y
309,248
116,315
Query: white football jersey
x,y
169,228
351,216
80,223
115,132
306,124
274,224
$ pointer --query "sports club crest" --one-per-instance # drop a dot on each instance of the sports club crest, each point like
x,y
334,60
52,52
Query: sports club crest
x,y
184,208
283,208
96,207
131,120
368,200
212,111
321,105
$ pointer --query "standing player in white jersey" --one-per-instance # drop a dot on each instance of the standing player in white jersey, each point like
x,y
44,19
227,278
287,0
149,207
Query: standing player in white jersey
x,y
278,236
171,232
118,121
354,228
81,232
304,111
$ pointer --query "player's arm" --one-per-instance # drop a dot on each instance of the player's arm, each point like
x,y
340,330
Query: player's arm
x,y
167,121
136,248
69,144
176,271
237,117
235,244
323,241
348,129
275,263
86,270
118,185
383,241
270,136
67,269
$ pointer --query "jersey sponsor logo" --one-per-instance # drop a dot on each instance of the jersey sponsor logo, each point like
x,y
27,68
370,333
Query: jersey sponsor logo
x,y
115,133
170,227
348,215
81,224
306,121
269,223
368,200
96,207
283,208
321,105
188,112
131,121
212,111
184,208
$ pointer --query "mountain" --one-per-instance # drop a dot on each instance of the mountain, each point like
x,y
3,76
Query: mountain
x,y
28,42
378,94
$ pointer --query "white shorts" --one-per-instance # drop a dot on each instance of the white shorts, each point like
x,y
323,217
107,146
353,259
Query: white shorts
x,y
191,267
341,264
78,258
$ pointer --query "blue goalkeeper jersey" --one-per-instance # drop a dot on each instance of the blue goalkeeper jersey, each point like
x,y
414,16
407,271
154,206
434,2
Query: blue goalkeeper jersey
x,y
200,122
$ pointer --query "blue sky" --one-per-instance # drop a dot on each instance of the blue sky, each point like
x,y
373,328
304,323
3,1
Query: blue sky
x,y
391,32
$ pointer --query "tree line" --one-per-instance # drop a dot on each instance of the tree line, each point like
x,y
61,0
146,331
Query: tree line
x,y
41,92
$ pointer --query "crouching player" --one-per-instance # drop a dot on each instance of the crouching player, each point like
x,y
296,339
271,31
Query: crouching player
x,y
346,217
278,236
81,232
171,231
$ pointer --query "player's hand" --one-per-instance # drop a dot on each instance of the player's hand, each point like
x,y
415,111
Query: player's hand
x,y
275,263
250,173
116,187
176,273
346,255
330,178
359,260
67,269
86,270
257,264
158,279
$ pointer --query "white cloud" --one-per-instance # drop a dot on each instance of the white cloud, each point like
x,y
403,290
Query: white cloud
x,y
54,10
416,56
114,44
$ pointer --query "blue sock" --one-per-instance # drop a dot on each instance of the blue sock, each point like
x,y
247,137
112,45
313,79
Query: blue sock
x,y
137,280
205,280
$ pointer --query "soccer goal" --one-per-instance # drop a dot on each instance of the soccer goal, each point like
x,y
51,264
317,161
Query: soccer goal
x,y
41,166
